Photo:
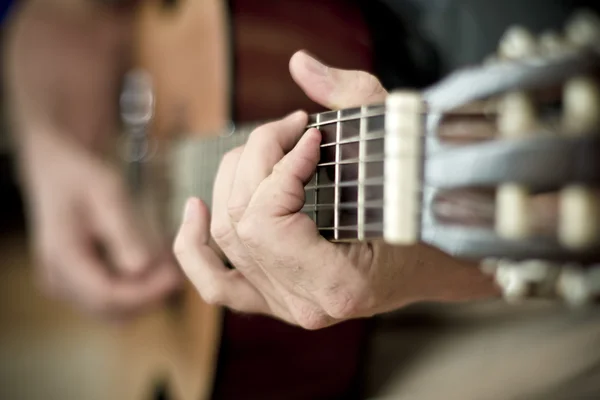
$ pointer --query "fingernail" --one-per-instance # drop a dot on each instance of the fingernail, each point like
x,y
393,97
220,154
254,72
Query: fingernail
x,y
296,115
314,65
190,211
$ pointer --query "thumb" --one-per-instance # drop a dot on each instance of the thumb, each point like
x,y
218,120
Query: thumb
x,y
334,88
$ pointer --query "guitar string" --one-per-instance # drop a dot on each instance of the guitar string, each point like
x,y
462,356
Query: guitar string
x,y
240,137
354,185
246,131
374,205
379,113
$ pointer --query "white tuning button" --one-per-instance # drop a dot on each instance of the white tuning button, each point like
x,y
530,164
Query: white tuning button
x,y
535,271
579,211
512,211
517,118
517,115
572,286
578,222
512,282
517,42
583,29
581,105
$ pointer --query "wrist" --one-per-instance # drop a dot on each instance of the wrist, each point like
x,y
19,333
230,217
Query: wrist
x,y
426,274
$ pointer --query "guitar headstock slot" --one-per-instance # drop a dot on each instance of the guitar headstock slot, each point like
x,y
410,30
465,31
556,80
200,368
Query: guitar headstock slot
x,y
512,155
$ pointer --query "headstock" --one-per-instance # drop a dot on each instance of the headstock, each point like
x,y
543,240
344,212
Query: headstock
x,y
508,156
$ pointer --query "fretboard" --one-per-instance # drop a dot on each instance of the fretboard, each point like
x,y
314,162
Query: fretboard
x,y
345,196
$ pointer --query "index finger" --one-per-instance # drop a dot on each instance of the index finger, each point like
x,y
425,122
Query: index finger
x,y
265,147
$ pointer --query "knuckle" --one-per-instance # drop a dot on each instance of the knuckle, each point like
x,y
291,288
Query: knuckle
x,y
258,132
369,85
310,317
341,305
221,232
235,210
179,246
212,294
247,230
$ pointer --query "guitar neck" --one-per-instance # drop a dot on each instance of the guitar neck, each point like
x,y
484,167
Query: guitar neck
x,y
345,196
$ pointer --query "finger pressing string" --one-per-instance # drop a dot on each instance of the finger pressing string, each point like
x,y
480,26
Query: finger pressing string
x,y
291,174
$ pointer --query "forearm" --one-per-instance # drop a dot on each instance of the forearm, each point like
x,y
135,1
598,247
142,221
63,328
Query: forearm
x,y
440,277
63,63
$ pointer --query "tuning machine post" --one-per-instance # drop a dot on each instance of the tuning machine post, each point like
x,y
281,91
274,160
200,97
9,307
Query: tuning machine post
x,y
516,118
579,211
520,280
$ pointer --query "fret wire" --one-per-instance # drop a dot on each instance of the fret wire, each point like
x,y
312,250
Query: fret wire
x,y
355,185
355,160
375,135
338,137
362,132
346,205
367,182
445,113
368,159
368,227
339,119
316,197
241,133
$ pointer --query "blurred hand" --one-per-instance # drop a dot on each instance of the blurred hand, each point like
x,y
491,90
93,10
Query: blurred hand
x,y
64,66
90,247
284,268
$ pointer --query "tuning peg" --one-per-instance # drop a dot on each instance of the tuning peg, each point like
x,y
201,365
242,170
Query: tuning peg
x,y
516,118
512,282
579,211
578,225
583,29
581,105
512,210
517,279
517,115
535,271
572,286
517,42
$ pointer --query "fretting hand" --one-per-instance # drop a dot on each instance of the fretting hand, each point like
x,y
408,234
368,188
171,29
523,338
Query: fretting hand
x,y
283,267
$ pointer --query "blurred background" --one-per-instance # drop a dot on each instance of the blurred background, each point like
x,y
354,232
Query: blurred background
x,y
48,350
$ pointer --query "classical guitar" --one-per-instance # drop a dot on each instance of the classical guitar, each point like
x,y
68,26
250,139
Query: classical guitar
x,y
497,163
